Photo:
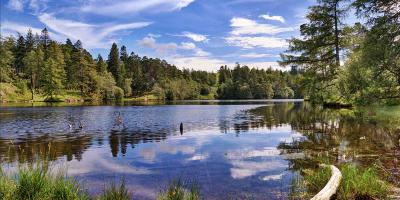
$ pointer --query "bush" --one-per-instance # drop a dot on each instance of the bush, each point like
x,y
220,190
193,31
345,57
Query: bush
x,y
169,95
204,90
118,93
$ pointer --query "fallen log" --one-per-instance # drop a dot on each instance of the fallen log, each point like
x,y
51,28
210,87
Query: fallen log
x,y
332,185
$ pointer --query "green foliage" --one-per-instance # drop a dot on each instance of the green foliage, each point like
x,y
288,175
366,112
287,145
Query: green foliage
x,y
248,83
118,93
318,49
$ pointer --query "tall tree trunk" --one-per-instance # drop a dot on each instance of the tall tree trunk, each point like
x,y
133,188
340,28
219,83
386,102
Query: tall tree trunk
x,y
337,34
32,86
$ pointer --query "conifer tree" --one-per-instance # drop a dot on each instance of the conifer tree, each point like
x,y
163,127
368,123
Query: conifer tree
x,y
113,61
318,49
101,66
34,62
53,73
20,51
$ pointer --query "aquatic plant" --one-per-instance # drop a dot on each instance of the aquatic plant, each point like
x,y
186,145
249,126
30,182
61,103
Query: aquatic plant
x,y
361,183
357,183
176,190
116,192
36,182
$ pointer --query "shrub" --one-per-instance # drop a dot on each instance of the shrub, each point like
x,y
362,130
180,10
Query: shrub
x,y
118,93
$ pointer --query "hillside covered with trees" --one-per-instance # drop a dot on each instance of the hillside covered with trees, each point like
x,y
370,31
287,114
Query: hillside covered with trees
x,y
331,62
34,66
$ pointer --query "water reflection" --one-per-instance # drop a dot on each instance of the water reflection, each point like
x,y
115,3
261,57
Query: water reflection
x,y
238,151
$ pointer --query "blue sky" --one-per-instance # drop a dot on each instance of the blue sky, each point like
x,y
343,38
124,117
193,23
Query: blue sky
x,y
198,34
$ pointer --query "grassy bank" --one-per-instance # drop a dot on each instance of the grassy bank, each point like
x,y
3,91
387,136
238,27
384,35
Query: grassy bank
x,y
39,183
357,183
12,93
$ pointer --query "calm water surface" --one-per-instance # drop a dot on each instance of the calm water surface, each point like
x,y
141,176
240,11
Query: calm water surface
x,y
232,150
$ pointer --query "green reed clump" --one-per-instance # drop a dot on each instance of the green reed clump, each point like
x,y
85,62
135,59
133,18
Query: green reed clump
x,y
115,192
316,180
36,183
361,183
176,190
356,183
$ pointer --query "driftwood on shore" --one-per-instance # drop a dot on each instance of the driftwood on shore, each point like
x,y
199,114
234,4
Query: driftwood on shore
x,y
332,185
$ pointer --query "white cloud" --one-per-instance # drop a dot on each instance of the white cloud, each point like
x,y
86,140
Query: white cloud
x,y
257,55
92,35
266,65
12,28
274,18
164,49
199,157
195,36
273,177
244,26
249,42
197,62
188,45
16,5
114,8
244,169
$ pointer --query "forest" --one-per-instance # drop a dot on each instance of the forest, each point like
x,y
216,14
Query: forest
x,y
331,62
34,65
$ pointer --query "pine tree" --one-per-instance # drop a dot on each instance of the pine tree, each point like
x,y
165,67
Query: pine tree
x,y
53,73
101,66
113,61
34,62
6,60
20,51
124,55
29,41
319,48
115,67
68,50
45,41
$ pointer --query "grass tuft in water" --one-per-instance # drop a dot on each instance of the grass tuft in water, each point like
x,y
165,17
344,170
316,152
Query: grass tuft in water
x,y
176,190
316,180
36,183
116,192
358,183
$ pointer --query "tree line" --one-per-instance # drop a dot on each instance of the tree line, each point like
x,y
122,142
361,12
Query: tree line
x,y
35,64
342,63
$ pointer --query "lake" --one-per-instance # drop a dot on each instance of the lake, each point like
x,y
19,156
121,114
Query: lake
x,y
230,149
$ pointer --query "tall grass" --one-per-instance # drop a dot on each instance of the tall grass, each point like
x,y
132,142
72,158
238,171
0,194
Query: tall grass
x,y
37,183
316,180
176,190
361,183
114,191
357,183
